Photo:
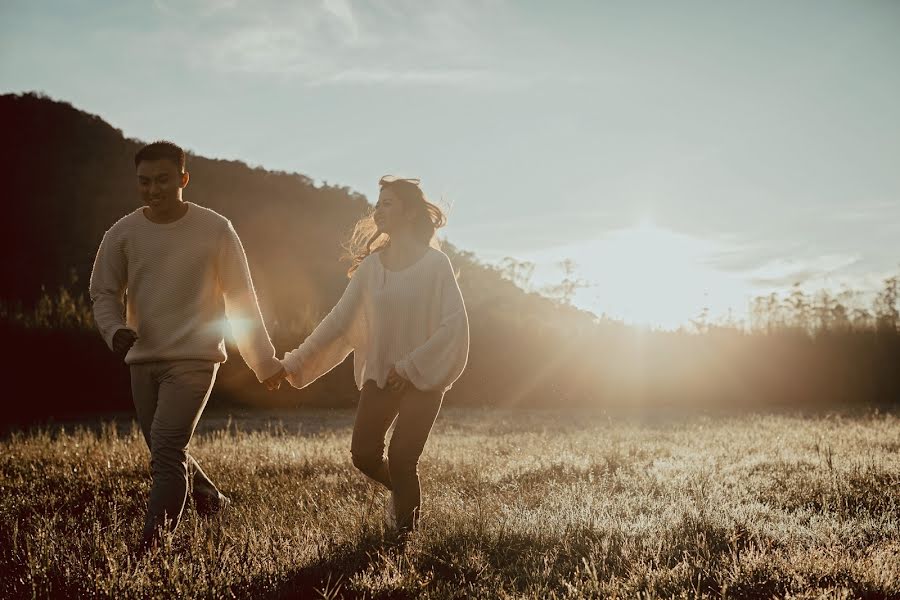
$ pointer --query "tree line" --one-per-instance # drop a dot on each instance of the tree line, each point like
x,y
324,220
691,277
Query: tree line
x,y
71,176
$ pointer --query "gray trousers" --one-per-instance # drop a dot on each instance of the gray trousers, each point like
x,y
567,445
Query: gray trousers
x,y
169,397
415,412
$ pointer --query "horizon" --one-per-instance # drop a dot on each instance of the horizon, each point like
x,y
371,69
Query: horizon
x,y
771,161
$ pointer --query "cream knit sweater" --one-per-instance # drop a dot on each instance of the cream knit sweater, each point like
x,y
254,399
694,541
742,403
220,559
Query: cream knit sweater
x,y
182,279
413,320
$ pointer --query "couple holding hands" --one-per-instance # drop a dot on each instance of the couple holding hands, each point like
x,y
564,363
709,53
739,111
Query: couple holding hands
x,y
170,275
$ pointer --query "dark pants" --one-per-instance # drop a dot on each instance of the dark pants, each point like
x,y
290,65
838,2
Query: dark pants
x,y
415,412
169,398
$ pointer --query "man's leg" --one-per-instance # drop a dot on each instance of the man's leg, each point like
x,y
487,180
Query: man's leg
x,y
207,497
418,411
144,391
377,410
184,388
144,388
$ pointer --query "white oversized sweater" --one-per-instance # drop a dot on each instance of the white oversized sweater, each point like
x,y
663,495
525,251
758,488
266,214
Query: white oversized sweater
x,y
413,319
182,280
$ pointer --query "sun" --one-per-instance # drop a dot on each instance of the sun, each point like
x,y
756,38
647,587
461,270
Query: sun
x,y
648,275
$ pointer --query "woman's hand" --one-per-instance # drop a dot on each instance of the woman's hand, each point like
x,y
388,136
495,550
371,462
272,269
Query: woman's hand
x,y
274,382
395,382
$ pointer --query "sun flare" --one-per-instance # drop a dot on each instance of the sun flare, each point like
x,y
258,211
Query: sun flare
x,y
651,276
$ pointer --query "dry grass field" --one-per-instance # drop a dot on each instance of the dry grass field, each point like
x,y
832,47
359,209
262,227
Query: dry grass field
x,y
519,505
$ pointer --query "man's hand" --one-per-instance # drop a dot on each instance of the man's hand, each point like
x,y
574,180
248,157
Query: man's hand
x,y
123,340
395,381
274,382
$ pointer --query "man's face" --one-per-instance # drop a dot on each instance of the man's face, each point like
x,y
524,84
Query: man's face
x,y
160,183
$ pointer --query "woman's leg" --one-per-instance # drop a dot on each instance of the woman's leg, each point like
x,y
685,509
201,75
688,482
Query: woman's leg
x,y
417,413
377,410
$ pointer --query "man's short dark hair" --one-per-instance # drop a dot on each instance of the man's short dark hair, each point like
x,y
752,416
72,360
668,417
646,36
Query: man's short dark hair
x,y
161,150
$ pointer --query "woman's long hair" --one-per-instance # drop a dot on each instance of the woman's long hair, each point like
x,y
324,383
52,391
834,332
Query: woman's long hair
x,y
366,238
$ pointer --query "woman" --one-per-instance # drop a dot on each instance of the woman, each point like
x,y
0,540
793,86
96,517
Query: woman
x,y
403,317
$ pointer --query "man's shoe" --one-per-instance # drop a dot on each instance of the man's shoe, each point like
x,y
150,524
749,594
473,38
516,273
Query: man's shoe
x,y
146,545
208,506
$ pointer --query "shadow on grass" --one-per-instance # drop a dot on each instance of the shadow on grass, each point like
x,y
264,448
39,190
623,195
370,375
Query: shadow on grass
x,y
329,576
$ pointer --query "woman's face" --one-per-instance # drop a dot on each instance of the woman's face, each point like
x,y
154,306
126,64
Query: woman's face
x,y
389,214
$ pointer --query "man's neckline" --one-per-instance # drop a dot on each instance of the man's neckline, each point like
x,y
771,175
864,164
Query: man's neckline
x,y
187,211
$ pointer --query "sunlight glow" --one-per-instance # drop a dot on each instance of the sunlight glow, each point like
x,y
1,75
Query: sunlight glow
x,y
237,327
647,275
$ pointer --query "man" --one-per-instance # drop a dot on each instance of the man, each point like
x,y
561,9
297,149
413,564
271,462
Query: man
x,y
183,268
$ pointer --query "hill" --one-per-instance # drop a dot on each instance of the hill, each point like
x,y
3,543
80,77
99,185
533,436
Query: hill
x,y
70,175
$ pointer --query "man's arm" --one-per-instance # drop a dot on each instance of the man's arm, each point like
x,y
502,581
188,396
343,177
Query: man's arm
x,y
109,278
242,307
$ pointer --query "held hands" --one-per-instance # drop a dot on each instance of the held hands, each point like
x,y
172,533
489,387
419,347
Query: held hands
x,y
123,340
395,381
274,382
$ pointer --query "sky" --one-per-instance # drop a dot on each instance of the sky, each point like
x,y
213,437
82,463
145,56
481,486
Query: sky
x,y
683,154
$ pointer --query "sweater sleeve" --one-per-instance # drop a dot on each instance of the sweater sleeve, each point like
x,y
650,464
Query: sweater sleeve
x,y
342,330
437,363
109,278
242,308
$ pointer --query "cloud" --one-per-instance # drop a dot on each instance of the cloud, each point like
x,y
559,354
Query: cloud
x,y
334,42
538,232
741,256
877,213
194,7
342,11
407,76
784,272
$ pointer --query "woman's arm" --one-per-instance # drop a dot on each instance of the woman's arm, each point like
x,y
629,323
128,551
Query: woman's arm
x,y
332,340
